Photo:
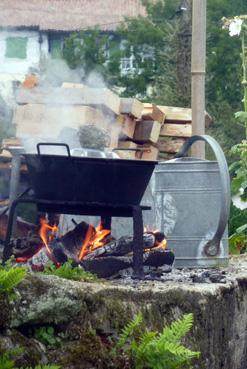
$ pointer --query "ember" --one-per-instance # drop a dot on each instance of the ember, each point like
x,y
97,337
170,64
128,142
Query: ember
x,y
94,248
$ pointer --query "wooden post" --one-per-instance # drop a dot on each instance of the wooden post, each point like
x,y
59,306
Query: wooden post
x,y
198,62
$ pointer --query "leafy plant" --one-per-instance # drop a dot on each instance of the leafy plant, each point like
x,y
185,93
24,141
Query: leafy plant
x,y
43,367
7,362
11,277
155,350
68,271
46,335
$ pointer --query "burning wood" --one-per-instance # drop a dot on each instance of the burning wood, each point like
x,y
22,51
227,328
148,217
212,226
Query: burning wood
x,y
92,247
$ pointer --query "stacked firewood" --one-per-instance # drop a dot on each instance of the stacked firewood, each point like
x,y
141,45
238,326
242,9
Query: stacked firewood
x,y
138,130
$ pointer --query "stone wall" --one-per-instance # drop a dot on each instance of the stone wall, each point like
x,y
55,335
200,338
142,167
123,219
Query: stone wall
x,y
77,308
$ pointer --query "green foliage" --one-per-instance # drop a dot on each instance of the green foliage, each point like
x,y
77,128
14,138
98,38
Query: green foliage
x,y
67,271
86,49
151,42
239,169
44,367
155,350
47,336
11,277
7,362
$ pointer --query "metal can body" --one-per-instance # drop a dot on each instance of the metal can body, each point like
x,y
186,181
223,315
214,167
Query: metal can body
x,y
188,199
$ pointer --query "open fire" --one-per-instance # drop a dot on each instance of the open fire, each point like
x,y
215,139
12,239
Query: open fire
x,y
87,245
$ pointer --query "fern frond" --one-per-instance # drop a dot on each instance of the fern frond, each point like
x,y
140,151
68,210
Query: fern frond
x,y
11,278
67,271
129,329
6,362
138,350
177,329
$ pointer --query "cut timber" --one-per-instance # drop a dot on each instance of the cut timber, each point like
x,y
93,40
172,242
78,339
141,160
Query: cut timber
x,y
170,145
47,121
147,131
127,154
152,112
10,142
166,156
176,114
72,85
148,152
132,107
99,97
126,126
176,130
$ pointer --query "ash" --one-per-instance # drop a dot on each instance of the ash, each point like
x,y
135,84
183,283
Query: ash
x,y
168,274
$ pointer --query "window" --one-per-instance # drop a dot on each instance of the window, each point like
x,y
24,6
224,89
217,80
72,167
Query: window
x,y
56,48
16,47
127,65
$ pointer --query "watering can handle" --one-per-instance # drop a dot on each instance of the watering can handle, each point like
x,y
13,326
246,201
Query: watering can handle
x,y
212,247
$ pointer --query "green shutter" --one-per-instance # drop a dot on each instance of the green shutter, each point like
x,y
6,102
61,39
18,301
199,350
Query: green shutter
x,y
16,47
56,49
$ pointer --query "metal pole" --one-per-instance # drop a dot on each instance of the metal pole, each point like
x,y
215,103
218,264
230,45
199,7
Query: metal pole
x,y
198,70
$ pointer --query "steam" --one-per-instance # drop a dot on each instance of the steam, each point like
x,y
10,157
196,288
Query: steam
x,y
58,119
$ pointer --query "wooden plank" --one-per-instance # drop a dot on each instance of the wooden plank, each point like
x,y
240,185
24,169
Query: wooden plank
x,y
132,107
147,131
126,126
100,97
44,120
131,154
176,130
149,152
8,142
152,112
177,115
170,144
166,156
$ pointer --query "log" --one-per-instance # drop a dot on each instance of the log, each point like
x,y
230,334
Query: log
x,y
26,247
176,130
105,267
152,112
158,257
132,107
147,131
170,145
126,126
124,245
148,152
72,241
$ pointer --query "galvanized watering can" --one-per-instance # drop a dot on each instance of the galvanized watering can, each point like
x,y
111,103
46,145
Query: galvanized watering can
x,y
192,202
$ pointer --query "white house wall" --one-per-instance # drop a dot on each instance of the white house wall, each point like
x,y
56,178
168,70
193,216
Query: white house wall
x,y
14,68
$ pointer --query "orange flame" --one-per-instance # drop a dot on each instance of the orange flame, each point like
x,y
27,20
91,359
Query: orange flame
x,y
158,245
93,240
46,233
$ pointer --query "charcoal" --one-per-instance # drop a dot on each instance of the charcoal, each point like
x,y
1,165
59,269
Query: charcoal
x,y
105,267
158,257
122,246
